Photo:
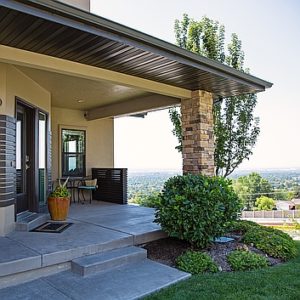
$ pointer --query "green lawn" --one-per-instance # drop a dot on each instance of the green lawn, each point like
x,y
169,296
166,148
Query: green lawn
x,y
279,282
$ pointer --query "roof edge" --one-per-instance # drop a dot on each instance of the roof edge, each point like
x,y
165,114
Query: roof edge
x,y
133,34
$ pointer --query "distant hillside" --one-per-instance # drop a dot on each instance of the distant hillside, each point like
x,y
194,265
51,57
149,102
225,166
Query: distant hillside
x,y
147,181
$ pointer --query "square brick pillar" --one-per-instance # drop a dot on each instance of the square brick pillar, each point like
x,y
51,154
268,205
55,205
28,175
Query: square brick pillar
x,y
197,130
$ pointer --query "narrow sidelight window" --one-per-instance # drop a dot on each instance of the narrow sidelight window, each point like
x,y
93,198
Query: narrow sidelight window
x,y
73,152
42,158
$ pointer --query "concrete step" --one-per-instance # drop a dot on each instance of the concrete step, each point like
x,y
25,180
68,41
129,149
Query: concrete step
x,y
128,282
104,261
30,220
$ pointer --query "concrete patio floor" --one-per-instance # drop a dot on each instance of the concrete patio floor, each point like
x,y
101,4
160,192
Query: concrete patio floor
x,y
97,227
35,265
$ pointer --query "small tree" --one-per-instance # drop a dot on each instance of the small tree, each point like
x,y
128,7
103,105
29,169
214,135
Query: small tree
x,y
250,187
265,203
235,128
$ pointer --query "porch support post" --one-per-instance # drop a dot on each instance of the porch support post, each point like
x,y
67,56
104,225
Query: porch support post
x,y
197,130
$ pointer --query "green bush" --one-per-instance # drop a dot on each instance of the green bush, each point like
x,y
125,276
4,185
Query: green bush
x,y
272,241
277,232
241,260
197,208
265,203
147,200
196,263
241,226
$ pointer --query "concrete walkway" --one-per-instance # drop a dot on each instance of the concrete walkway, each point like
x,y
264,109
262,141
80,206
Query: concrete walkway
x,y
128,282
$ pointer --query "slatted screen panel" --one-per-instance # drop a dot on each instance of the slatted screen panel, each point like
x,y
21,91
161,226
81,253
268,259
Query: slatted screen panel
x,y
112,185
7,160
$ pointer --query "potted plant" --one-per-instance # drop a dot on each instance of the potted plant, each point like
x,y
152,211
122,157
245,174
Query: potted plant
x,y
59,202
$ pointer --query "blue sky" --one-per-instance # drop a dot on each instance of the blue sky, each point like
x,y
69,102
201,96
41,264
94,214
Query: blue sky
x,y
270,32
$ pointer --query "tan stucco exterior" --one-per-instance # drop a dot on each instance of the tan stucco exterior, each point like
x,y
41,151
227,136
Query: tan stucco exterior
x,y
14,83
99,139
3,88
99,133
19,85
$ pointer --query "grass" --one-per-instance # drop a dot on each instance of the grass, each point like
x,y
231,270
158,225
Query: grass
x,y
278,282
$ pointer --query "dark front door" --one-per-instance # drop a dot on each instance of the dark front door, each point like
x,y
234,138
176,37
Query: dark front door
x,y
24,156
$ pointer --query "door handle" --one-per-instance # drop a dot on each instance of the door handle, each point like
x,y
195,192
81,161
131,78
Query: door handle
x,y
27,163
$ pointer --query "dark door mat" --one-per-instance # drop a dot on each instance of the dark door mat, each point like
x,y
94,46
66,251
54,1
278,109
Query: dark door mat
x,y
51,227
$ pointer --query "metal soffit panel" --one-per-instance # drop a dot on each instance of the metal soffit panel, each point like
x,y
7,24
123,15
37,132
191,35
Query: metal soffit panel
x,y
42,35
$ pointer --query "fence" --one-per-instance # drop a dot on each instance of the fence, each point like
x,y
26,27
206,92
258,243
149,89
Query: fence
x,y
280,214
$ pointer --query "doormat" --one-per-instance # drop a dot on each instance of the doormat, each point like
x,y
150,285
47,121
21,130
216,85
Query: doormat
x,y
52,227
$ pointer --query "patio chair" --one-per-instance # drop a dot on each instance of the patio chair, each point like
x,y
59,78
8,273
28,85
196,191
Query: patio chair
x,y
88,185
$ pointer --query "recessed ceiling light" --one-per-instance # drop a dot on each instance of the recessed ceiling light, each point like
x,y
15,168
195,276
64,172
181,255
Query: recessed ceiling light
x,y
80,101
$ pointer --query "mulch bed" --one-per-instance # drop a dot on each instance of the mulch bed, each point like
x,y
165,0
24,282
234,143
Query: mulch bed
x,y
167,250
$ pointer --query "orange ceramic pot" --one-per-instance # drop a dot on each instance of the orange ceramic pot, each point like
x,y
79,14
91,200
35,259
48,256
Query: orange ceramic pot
x,y
58,208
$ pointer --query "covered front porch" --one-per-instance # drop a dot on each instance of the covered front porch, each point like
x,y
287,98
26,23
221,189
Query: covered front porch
x,y
66,77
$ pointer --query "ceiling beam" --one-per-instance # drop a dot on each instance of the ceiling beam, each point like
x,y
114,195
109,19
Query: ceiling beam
x,y
133,106
52,64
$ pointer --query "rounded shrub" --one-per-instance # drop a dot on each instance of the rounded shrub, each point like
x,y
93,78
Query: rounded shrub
x,y
271,241
196,208
240,260
195,262
241,226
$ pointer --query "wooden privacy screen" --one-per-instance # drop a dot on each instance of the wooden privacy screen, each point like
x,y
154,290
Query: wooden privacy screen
x,y
112,185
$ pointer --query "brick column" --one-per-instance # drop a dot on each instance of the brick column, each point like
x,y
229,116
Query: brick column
x,y
197,130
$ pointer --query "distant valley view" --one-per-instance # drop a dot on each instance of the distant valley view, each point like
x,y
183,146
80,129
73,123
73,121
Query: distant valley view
x,y
143,183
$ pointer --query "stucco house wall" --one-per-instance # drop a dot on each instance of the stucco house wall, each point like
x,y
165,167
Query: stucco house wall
x,y
99,133
99,139
14,84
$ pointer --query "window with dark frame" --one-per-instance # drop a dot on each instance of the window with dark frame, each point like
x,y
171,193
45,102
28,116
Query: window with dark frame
x,y
73,152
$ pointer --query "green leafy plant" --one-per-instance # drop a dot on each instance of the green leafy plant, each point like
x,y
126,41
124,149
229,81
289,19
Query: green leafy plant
x,y
196,208
240,260
272,241
241,226
196,263
147,200
265,203
276,232
250,187
60,191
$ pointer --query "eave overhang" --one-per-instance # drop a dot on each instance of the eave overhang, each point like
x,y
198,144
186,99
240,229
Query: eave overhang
x,y
59,30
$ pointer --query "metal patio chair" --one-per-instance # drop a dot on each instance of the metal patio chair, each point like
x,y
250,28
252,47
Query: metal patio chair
x,y
88,185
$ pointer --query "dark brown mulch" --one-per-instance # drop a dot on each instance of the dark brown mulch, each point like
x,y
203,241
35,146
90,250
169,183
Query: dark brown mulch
x,y
167,250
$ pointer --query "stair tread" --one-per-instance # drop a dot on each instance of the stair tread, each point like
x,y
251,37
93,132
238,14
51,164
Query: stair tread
x,y
110,255
30,218
31,221
129,282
